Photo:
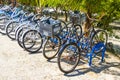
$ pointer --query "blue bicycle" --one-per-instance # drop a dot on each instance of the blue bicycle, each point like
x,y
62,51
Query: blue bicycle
x,y
70,54
53,44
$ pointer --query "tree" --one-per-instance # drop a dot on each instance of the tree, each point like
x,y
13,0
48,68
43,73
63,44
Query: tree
x,y
107,10
112,12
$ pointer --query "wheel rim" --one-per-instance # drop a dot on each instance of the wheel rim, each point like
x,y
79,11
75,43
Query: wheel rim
x,y
19,38
11,30
101,36
69,58
2,25
32,41
51,47
78,30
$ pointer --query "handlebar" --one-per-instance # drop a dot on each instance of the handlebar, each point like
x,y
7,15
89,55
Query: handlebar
x,y
35,16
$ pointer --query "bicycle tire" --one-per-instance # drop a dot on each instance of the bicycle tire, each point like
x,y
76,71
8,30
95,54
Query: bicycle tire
x,y
94,40
11,29
52,44
79,29
19,35
70,24
19,38
63,24
32,49
61,67
3,25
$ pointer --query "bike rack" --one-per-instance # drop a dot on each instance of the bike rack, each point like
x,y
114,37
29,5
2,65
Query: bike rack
x,y
92,54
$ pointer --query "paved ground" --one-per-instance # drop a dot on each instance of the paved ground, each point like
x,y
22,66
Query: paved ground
x,y
17,64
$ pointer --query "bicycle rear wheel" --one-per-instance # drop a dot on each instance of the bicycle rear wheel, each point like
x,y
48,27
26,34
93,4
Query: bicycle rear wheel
x,y
68,58
63,24
70,24
99,36
78,29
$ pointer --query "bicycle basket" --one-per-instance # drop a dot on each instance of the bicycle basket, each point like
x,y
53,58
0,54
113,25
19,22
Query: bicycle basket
x,y
50,29
75,18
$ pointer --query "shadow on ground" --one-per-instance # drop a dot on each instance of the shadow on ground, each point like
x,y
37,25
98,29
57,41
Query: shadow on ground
x,y
35,53
117,50
97,69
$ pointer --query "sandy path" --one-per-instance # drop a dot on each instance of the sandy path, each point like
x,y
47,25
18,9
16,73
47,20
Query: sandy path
x,y
17,64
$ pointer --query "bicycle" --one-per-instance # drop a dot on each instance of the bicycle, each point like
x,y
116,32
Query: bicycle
x,y
43,25
25,26
5,19
70,54
13,24
59,40
75,18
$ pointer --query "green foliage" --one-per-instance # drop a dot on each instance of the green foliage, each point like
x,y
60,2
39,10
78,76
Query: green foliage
x,y
117,37
110,8
30,2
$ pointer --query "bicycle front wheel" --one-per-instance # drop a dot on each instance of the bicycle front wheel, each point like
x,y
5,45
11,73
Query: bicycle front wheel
x,y
32,41
51,47
3,22
68,58
10,29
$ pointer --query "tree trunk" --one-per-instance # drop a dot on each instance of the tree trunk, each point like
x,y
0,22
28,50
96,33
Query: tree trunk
x,y
41,10
87,24
1,1
66,15
38,10
14,3
56,13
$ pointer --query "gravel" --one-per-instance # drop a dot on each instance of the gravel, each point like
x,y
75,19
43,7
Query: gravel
x,y
17,64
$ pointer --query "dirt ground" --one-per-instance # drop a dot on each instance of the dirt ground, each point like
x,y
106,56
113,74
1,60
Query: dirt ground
x,y
17,64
